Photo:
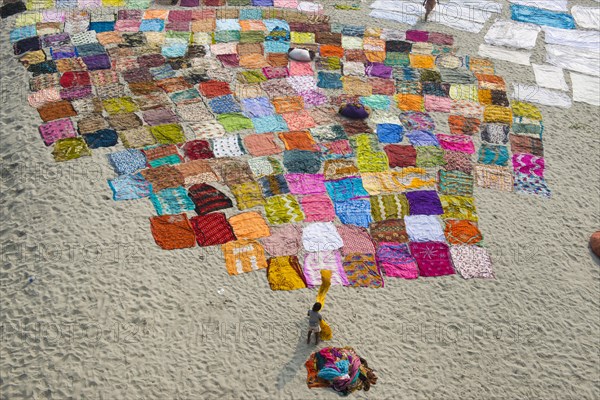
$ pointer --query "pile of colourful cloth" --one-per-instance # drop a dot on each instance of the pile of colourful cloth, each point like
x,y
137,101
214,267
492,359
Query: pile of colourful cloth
x,y
339,368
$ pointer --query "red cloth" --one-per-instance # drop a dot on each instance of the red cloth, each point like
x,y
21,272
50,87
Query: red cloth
x,y
197,150
401,155
75,78
212,229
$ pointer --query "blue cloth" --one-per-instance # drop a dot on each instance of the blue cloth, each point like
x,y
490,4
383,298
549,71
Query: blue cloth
x,y
257,107
493,155
250,13
172,201
127,161
163,72
90,49
130,187
345,189
273,23
354,212
22,33
101,138
174,50
152,25
276,47
262,3
271,123
422,138
389,133
540,16
224,104
102,26
329,80
173,159
228,25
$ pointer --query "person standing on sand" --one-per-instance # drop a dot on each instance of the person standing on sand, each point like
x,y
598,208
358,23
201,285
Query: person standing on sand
x,y
429,6
314,323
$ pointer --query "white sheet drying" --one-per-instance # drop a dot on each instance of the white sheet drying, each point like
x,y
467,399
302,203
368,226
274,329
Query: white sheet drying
x,y
587,17
502,53
585,61
586,88
550,77
539,95
572,37
512,34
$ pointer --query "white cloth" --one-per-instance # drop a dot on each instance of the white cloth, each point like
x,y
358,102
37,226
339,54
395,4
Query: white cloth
x,y
309,7
572,37
512,34
586,88
424,228
321,236
587,17
458,16
552,5
579,60
539,95
501,53
550,77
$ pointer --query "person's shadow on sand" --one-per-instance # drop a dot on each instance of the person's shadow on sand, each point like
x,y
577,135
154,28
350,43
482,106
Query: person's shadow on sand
x,y
296,363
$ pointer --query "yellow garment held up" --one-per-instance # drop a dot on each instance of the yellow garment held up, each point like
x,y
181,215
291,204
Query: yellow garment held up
x,y
326,333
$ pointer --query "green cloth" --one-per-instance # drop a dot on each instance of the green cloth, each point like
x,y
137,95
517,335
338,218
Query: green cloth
x,y
371,161
429,156
239,3
168,133
396,59
233,122
226,36
283,209
254,76
183,37
252,37
70,149
455,183
389,206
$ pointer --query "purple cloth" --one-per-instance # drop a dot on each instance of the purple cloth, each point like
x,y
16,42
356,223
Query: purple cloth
x,y
63,52
424,202
58,39
314,97
97,61
417,36
26,45
378,69
189,3
229,60
262,3
74,93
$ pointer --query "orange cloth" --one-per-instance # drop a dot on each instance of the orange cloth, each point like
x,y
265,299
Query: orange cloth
x,y
172,231
299,140
422,61
243,256
249,225
329,50
409,102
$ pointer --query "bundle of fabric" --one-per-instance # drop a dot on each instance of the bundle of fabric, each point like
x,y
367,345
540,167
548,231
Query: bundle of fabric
x,y
340,368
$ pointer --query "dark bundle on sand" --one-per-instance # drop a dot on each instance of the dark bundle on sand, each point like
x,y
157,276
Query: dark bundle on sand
x,y
339,368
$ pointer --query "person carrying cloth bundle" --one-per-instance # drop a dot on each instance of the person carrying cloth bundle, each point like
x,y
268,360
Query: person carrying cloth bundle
x,y
316,323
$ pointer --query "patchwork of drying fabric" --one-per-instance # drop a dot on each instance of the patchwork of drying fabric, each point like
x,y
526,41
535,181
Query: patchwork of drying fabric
x,y
205,113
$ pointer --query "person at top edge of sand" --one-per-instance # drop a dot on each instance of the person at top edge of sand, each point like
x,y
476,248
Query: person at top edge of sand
x,y
429,6
314,322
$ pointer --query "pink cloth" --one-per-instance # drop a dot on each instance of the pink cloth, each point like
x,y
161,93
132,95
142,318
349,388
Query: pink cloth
x,y
306,183
437,103
317,208
417,36
463,143
356,240
528,164
433,258
395,260
284,240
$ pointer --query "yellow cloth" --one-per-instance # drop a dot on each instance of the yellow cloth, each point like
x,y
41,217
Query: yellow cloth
x,y
325,284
